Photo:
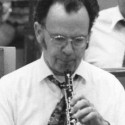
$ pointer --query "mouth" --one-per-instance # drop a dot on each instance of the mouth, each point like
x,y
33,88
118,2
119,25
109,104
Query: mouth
x,y
65,61
64,65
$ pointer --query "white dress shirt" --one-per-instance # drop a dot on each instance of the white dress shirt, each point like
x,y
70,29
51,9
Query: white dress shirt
x,y
107,42
27,97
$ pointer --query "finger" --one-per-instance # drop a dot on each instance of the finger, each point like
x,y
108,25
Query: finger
x,y
88,117
76,99
80,105
84,112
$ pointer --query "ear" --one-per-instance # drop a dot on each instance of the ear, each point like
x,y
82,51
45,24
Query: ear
x,y
38,32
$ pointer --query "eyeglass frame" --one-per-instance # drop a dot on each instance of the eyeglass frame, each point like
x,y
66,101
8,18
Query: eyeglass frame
x,y
65,40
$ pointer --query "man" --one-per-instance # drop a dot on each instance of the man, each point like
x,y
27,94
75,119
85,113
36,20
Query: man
x,y
107,43
29,97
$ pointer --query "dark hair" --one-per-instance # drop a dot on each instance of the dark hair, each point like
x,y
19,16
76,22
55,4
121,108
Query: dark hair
x,y
43,6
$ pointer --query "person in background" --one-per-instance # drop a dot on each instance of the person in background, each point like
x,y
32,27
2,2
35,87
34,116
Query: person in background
x,y
107,42
7,31
29,97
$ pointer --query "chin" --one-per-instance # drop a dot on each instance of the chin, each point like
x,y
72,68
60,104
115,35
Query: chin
x,y
67,69
60,72
60,69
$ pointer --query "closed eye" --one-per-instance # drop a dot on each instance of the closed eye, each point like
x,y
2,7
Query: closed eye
x,y
80,39
59,38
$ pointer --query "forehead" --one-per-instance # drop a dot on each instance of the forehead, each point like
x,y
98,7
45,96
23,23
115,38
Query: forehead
x,y
59,19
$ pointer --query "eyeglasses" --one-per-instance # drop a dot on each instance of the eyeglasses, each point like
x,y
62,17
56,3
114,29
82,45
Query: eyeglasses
x,y
61,40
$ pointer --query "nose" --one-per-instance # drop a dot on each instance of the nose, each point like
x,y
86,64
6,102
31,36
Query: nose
x,y
68,48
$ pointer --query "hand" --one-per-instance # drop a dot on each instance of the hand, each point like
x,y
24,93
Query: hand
x,y
85,112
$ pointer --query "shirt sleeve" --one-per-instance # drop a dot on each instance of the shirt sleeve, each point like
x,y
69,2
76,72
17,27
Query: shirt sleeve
x,y
120,108
119,104
6,104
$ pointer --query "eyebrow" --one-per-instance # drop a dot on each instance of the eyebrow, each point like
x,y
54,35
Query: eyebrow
x,y
64,35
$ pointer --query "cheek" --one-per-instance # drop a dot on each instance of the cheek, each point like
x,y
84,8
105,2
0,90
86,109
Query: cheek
x,y
52,53
80,52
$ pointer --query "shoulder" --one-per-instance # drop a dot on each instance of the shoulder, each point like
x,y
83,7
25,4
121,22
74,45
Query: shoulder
x,y
106,15
18,76
101,77
107,11
107,86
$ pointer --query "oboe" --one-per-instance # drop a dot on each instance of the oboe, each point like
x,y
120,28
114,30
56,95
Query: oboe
x,y
68,93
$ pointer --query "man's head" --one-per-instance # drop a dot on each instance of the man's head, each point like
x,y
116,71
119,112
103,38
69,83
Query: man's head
x,y
63,29
43,7
121,4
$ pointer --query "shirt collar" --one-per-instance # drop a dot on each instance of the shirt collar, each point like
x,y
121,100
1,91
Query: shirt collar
x,y
44,70
118,16
82,70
